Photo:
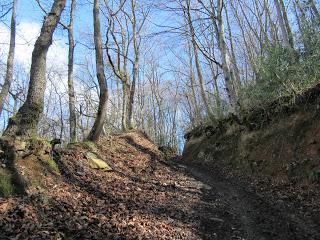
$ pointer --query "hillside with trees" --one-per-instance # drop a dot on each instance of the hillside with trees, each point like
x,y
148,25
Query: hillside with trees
x,y
174,119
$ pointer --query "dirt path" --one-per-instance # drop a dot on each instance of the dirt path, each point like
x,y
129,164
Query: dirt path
x,y
243,214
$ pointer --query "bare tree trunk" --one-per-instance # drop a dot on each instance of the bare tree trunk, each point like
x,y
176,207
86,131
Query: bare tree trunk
x,y
9,72
28,116
250,55
282,23
71,92
272,25
314,9
192,85
287,24
103,98
234,59
227,69
197,61
125,104
135,66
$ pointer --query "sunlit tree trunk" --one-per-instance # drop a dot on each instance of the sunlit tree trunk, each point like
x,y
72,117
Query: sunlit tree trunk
x,y
9,72
232,50
284,24
125,104
135,65
103,98
71,92
197,60
194,105
26,120
314,9
227,69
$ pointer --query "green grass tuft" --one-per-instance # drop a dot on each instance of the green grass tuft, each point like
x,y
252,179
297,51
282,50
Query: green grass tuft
x,y
6,188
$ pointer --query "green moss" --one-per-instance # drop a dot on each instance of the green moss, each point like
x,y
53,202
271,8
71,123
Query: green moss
x,y
14,117
34,138
6,188
53,165
90,145
49,164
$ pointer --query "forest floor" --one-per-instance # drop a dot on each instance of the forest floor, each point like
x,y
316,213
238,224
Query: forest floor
x,y
147,197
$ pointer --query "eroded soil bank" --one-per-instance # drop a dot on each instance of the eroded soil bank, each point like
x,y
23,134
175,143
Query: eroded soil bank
x,y
273,151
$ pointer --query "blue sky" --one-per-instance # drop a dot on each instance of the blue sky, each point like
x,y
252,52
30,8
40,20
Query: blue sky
x,y
28,11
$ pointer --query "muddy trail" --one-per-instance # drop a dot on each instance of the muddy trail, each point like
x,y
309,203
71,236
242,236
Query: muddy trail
x,y
143,197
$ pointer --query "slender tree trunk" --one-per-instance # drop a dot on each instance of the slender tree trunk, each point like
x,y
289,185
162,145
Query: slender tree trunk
x,y
273,30
197,61
103,98
125,104
135,66
301,18
287,24
282,24
314,9
244,36
227,69
234,59
217,97
26,120
71,92
9,72
192,85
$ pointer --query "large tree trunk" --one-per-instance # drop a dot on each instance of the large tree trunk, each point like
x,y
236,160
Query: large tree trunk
x,y
26,120
9,72
103,98
71,92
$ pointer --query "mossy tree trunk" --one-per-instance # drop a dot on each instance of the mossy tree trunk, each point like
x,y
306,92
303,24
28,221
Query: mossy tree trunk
x,y
26,120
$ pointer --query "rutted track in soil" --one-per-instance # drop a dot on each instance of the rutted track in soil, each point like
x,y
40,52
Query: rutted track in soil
x,y
255,218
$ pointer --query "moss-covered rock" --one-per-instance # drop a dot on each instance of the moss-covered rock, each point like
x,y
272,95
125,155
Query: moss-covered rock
x,y
91,146
27,162
20,145
97,163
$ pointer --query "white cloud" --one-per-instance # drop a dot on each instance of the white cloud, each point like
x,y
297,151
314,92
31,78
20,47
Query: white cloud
x,y
27,33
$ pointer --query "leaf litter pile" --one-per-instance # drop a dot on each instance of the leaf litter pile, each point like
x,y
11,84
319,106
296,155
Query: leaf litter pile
x,y
141,198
